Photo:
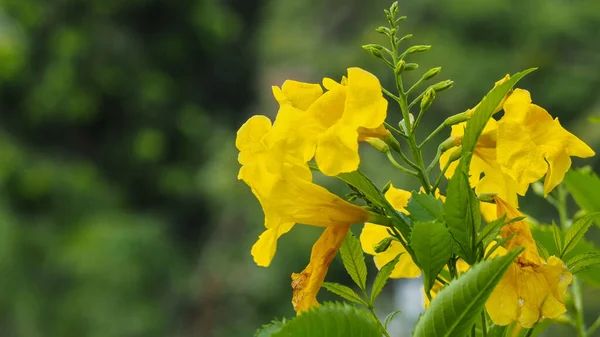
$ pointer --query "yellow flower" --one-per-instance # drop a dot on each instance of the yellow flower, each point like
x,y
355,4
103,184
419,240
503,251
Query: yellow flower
x,y
283,185
330,125
531,144
484,163
532,289
307,283
372,234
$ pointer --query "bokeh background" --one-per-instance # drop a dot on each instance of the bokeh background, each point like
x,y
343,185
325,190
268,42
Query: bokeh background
x,y
120,211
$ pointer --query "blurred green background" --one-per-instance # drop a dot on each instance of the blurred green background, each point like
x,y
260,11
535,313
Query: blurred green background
x,y
120,211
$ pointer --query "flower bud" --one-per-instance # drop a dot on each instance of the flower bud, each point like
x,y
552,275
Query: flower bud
x,y
427,99
378,144
374,49
417,49
402,124
400,67
394,9
411,66
383,245
431,73
444,85
487,197
383,30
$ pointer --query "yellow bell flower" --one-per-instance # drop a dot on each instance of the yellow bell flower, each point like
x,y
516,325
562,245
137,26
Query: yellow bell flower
x,y
307,283
330,125
484,163
372,234
283,185
531,144
532,289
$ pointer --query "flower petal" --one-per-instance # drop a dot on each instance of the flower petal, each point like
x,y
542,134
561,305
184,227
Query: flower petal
x,y
307,283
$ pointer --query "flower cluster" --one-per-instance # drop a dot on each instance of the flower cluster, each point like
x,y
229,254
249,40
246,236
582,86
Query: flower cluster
x,y
326,126
495,151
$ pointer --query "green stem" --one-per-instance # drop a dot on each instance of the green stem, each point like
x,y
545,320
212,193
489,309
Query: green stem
x,y
594,327
483,324
561,206
372,310
578,304
530,331
400,167
442,173
392,96
390,127
405,158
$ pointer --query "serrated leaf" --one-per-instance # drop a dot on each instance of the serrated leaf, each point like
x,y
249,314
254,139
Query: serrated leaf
x,y
390,317
331,320
499,242
382,276
344,292
542,250
497,331
457,307
557,234
425,207
354,260
576,232
432,245
584,186
268,329
484,111
463,216
491,231
583,261
543,233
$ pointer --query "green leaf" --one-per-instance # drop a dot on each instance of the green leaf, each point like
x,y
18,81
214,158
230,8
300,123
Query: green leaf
x,y
344,292
390,317
432,245
382,276
499,242
542,250
583,261
463,216
268,329
331,320
584,186
491,231
576,232
543,234
458,306
425,207
363,184
354,260
484,111
497,331
558,237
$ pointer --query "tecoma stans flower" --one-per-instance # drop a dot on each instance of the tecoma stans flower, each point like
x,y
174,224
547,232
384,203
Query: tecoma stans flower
x,y
486,174
330,125
532,289
307,283
372,234
282,183
531,144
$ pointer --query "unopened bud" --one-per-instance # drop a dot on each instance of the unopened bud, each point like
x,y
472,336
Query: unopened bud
x,y
379,144
444,85
394,9
402,18
392,142
374,49
449,143
417,49
402,123
427,99
383,245
383,30
431,73
411,66
400,67
456,154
